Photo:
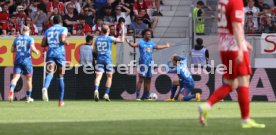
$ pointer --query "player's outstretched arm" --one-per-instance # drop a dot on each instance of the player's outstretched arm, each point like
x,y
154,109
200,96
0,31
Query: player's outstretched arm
x,y
33,48
122,37
63,39
159,47
132,44
13,49
44,42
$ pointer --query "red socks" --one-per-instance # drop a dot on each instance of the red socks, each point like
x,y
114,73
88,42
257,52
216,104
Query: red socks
x,y
244,102
219,94
243,98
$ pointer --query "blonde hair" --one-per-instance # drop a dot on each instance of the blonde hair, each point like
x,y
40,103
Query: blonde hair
x,y
26,29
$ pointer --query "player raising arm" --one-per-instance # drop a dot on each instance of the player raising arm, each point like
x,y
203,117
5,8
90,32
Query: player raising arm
x,y
146,46
22,46
103,46
55,39
234,54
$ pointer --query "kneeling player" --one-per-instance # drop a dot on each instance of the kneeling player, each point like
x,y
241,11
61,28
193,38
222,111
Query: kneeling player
x,y
22,46
186,81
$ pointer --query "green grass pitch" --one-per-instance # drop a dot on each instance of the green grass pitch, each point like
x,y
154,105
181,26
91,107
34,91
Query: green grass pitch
x,y
129,118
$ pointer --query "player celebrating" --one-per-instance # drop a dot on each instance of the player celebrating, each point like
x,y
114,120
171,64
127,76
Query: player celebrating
x,y
22,46
233,48
103,46
55,39
186,80
146,47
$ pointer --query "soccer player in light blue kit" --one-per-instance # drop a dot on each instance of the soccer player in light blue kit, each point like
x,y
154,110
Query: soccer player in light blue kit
x,y
55,39
186,80
146,46
103,46
22,46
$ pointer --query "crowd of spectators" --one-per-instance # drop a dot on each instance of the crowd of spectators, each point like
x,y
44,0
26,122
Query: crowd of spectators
x,y
81,17
260,16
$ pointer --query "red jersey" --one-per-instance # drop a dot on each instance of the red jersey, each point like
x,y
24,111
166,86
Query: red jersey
x,y
58,5
4,16
229,11
84,28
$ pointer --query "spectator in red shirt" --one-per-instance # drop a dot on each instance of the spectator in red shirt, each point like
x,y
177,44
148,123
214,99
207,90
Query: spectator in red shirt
x,y
139,5
82,28
11,28
55,4
21,15
4,16
33,29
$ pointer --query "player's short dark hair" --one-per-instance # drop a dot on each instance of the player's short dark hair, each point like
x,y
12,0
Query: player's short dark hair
x,y
57,19
145,31
89,38
199,41
201,3
176,58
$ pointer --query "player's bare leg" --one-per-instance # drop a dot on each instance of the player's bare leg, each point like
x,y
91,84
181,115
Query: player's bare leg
x,y
219,94
138,87
61,72
50,70
97,84
29,99
108,85
244,103
12,86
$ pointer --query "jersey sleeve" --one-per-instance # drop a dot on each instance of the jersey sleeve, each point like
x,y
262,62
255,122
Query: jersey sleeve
x,y
237,12
64,31
153,45
183,58
31,41
112,39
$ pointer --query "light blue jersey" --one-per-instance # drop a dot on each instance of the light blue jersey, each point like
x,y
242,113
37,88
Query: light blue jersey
x,y
146,49
183,72
104,46
22,44
23,61
53,35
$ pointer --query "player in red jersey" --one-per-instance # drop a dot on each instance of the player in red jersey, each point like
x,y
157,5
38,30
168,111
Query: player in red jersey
x,y
234,52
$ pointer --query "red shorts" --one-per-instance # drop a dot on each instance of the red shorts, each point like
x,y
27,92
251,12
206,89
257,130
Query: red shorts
x,y
235,69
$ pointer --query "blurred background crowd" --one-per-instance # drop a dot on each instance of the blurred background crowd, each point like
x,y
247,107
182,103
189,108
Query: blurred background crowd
x,y
81,17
